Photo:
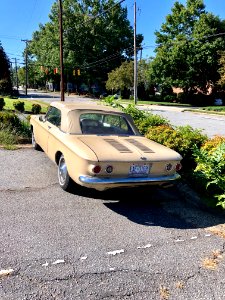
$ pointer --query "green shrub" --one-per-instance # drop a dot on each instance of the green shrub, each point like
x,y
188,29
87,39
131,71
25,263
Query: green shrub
x,y
210,171
18,127
182,139
143,119
36,108
2,103
19,105
182,98
110,100
170,98
5,87
155,98
200,99
136,113
10,119
8,136
213,143
151,120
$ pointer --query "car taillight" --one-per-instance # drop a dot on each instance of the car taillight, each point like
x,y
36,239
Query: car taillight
x,y
96,169
178,167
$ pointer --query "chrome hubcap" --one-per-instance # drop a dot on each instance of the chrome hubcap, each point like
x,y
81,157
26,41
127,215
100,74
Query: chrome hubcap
x,y
33,139
62,171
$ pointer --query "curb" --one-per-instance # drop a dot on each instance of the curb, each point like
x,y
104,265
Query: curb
x,y
19,146
194,199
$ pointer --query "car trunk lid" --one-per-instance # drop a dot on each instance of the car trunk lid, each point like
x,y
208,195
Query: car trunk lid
x,y
124,148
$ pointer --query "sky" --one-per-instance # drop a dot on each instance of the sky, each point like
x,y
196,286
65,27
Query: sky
x,y
20,18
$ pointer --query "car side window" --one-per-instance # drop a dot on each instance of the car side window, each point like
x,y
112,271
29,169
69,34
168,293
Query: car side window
x,y
54,116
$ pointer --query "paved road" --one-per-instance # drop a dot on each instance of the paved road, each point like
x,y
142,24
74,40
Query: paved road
x,y
210,124
92,245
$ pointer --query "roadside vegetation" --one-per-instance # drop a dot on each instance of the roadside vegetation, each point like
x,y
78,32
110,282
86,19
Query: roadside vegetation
x,y
14,121
203,158
13,104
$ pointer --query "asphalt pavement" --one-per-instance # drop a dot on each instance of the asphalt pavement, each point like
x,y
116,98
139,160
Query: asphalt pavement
x,y
140,244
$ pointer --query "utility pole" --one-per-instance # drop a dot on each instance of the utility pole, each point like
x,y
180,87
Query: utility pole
x,y
135,57
16,75
11,72
61,51
26,66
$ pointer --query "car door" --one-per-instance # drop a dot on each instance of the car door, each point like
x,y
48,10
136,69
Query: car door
x,y
53,120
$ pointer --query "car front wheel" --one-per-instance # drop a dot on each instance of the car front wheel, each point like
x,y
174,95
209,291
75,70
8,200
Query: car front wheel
x,y
64,179
34,143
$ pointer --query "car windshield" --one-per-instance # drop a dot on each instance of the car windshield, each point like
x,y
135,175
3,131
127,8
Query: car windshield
x,y
109,124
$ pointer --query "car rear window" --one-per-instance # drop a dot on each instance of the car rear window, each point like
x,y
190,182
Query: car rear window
x,y
109,124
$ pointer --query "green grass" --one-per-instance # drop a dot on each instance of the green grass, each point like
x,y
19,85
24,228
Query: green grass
x,y
9,137
27,104
220,110
208,110
143,102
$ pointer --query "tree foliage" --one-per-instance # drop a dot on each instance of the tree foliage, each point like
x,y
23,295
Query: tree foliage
x,y
188,45
222,69
122,77
5,79
97,38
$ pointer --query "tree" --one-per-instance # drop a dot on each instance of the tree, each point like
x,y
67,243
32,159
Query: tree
x,y
221,81
121,78
5,78
21,72
188,45
97,38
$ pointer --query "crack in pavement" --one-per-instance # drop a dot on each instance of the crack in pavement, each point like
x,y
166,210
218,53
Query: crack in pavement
x,y
28,188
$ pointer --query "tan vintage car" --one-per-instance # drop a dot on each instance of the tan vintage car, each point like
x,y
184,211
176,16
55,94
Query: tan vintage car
x,y
99,147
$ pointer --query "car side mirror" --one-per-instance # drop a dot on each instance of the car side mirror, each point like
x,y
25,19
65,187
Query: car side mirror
x,y
42,118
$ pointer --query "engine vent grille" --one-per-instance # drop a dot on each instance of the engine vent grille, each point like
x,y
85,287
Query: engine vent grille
x,y
140,146
120,147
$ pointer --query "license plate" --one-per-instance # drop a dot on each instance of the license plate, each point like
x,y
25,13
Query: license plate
x,y
139,170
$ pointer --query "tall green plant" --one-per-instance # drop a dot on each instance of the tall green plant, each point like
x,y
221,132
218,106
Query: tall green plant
x,y
2,103
211,169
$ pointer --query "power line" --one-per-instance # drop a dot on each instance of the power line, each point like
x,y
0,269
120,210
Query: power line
x,y
9,37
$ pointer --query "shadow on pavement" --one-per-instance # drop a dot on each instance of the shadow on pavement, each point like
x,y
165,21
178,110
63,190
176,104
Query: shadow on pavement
x,y
39,96
152,206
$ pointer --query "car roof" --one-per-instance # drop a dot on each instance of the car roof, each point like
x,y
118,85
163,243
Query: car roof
x,y
68,106
71,111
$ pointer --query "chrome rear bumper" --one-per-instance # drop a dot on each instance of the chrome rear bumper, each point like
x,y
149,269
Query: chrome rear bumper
x,y
127,180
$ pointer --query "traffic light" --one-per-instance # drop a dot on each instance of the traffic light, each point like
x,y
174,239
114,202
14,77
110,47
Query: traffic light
x,y
76,72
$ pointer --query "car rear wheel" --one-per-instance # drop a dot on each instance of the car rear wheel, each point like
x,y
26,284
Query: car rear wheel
x,y
34,143
63,176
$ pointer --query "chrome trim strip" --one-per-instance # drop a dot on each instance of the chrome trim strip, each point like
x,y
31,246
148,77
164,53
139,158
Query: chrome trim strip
x,y
127,180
